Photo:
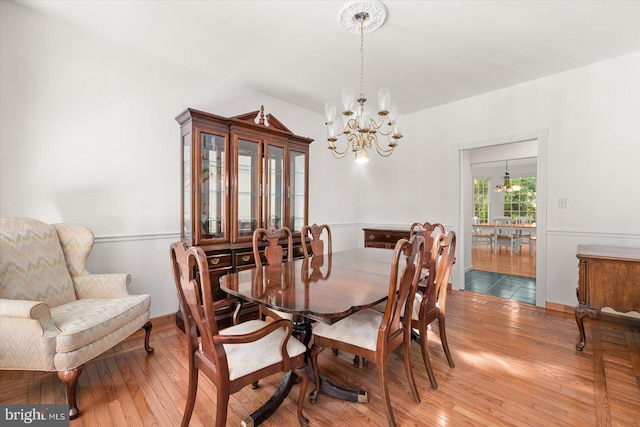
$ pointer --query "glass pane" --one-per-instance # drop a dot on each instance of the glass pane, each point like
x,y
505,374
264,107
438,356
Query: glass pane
x,y
298,190
276,186
212,184
248,188
186,186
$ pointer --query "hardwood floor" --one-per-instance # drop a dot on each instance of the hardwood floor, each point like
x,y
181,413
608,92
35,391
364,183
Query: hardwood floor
x,y
516,365
520,264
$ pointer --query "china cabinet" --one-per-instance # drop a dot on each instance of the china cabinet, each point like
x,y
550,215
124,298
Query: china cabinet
x,y
238,174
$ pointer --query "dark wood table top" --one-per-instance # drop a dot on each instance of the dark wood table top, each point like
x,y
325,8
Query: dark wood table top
x,y
325,288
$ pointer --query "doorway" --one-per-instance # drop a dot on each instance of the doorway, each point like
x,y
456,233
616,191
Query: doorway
x,y
531,145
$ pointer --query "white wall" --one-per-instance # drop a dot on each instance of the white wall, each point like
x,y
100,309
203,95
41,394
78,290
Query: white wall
x,y
88,136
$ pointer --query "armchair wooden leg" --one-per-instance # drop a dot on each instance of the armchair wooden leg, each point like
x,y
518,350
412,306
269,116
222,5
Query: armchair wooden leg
x,y
424,346
70,379
315,351
147,329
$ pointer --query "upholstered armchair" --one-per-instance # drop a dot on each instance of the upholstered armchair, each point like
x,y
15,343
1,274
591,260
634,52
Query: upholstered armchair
x,y
55,315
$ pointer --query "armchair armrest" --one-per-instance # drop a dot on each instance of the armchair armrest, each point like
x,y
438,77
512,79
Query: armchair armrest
x,y
29,310
101,285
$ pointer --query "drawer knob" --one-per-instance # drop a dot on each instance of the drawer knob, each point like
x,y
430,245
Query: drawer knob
x,y
215,261
372,237
388,236
246,258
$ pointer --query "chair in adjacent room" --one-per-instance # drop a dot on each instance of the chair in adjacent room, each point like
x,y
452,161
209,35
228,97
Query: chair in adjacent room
x,y
431,299
316,244
481,237
373,335
234,357
505,235
274,255
525,234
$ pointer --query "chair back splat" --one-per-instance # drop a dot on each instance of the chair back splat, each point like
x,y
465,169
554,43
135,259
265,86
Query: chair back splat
x,y
234,357
317,244
373,335
429,232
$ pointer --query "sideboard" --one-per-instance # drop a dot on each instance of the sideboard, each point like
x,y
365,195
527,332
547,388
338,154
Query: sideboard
x,y
608,276
384,237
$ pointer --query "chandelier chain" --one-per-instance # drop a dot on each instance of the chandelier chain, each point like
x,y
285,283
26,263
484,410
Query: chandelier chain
x,y
362,19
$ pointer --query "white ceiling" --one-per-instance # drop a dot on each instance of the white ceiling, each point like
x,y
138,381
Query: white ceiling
x,y
428,52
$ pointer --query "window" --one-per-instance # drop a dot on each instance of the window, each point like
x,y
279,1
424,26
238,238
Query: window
x,y
523,202
481,199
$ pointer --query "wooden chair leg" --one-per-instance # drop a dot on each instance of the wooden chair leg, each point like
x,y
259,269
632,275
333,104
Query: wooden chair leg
x,y
303,374
424,346
222,402
147,332
384,389
408,367
443,340
70,379
191,392
315,351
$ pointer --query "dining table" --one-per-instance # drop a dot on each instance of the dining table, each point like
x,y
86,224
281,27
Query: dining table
x,y
322,288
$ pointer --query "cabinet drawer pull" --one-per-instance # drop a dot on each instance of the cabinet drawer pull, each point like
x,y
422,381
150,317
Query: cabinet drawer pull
x,y
388,236
246,258
215,261
285,252
372,237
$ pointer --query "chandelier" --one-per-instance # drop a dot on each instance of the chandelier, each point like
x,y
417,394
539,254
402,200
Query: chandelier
x,y
360,128
506,186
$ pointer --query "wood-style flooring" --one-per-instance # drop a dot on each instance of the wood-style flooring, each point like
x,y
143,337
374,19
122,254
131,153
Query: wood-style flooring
x,y
519,264
516,365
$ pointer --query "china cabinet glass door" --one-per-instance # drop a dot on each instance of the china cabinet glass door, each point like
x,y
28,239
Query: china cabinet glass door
x,y
186,186
275,186
213,191
248,187
297,190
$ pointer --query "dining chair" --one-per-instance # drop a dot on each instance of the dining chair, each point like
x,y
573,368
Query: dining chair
x,y
374,335
316,244
234,357
525,234
429,232
274,255
431,299
506,235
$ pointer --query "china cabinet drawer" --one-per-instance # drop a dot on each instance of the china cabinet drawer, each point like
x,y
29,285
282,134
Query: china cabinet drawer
x,y
219,261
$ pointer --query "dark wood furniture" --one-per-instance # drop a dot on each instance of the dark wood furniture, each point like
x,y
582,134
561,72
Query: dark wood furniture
x,y
384,237
316,243
431,299
356,279
239,174
608,276
428,231
372,335
234,357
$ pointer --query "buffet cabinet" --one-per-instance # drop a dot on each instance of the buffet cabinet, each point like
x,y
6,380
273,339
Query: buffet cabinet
x,y
384,237
238,174
608,276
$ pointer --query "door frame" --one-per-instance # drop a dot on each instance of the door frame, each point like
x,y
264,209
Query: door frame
x,y
463,207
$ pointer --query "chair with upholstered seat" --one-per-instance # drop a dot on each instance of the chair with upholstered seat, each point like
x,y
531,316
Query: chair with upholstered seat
x,y
431,299
273,255
317,244
54,315
429,232
373,335
234,357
